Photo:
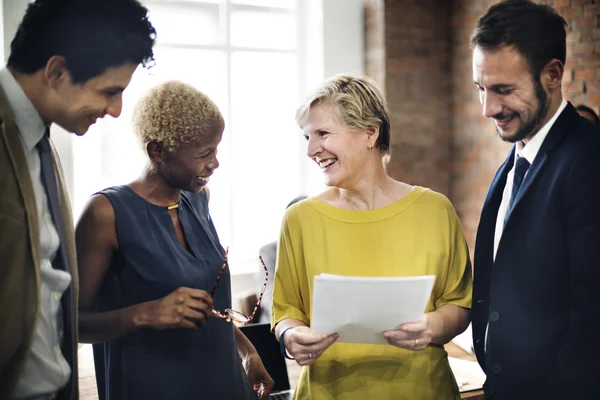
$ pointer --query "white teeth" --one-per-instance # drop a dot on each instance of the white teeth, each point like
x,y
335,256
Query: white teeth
x,y
202,178
327,163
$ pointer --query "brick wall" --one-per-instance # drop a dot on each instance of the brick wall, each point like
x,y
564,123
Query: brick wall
x,y
440,139
476,151
416,56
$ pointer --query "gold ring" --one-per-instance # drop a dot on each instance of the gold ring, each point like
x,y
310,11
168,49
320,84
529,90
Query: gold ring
x,y
416,342
309,355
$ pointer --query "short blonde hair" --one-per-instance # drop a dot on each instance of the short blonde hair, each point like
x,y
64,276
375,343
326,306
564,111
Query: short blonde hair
x,y
359,101
174,113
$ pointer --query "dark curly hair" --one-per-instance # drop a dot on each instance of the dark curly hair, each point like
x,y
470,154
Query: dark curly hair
x,y
92,35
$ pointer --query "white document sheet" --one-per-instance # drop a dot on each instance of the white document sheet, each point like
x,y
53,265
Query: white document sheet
x,y
361,308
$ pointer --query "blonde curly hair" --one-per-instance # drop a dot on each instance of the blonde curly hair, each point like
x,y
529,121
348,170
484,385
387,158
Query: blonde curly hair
x,y
174,113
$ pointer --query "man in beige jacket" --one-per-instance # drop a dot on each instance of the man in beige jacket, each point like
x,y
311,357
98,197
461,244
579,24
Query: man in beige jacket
x,y
69,64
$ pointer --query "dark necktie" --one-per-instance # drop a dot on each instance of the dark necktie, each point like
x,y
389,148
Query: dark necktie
x,y
49,182
61,261
521,167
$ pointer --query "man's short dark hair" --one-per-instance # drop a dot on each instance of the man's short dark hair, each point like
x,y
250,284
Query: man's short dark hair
x,y
92,35
589,110
535,30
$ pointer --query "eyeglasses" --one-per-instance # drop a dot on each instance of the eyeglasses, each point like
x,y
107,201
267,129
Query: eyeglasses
x,y
233,315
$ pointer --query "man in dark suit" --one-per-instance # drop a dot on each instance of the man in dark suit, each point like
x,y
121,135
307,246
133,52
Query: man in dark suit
x,y
536,315
69,64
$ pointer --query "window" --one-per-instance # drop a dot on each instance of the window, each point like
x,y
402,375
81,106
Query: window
x,y
245,55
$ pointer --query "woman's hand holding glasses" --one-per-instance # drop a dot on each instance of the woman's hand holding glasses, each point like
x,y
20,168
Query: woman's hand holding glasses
x,y
184,308
305,345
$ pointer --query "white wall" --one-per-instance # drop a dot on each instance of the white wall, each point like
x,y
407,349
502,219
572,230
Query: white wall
x,y
333,42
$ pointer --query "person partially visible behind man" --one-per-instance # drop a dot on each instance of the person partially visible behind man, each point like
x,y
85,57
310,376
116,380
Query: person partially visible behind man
x,y
536,318
589,114
268,252
69,64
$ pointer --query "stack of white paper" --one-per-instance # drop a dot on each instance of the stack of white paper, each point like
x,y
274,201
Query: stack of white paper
x,y
359,309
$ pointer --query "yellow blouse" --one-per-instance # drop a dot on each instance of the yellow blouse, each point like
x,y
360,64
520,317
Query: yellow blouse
x,y
419,234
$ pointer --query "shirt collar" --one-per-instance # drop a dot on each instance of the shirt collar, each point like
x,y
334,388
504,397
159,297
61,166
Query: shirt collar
x,y
530,150
28,120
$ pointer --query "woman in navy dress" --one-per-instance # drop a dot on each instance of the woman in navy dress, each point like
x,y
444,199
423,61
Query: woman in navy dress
x,y
148,258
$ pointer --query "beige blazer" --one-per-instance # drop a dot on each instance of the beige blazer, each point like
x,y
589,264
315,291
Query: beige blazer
x,y
19,254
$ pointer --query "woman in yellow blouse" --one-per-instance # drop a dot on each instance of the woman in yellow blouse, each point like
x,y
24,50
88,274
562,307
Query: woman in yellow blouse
x,y
368,224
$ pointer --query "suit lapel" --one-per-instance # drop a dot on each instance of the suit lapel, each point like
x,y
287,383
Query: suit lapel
x,y
16,152
494,196
551,142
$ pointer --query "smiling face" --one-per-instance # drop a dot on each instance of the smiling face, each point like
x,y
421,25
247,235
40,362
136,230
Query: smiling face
x,y
190,166
509,94
341,153
77,106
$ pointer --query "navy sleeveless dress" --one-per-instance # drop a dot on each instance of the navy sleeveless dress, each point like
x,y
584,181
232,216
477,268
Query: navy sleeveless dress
x,y
166,364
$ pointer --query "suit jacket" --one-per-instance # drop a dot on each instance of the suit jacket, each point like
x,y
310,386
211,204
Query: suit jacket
x,y
19,258
540,295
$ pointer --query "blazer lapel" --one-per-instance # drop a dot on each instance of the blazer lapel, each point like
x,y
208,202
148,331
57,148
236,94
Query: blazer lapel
x,y
494,196
552,141
11,136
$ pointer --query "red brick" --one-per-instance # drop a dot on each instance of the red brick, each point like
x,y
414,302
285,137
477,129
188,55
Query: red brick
x,y
585,22
591,10
573,62
561,3
585,73
574,36
592,87
597,48
586,35
593,100
570,12
576,2
597,34
575,99
573,87
582,49
591,61
568,75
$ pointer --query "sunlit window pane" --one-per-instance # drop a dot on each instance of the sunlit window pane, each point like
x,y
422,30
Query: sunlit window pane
x,y
204,69
265,145
289,4
266,30
181,24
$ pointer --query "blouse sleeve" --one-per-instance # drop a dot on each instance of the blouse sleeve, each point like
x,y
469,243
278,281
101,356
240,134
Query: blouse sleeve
x,y
458,275
287,290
